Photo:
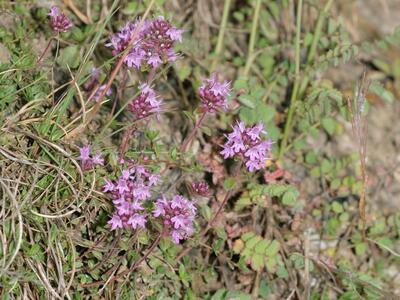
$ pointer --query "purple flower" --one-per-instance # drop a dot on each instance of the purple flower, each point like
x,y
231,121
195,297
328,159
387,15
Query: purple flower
x,y
84,152
137,220
201,189
122,186
175,34
177,215
88,162
247,144
97,159
154,179
129,192
153,45
58,20
115,222
214,94
146,103
108,186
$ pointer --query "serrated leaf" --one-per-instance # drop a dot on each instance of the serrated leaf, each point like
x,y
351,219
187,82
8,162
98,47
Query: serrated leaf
x,y
257,262
273,248
337,207
329,125
271,264
248,235
251,243
247,100
289,198
261,246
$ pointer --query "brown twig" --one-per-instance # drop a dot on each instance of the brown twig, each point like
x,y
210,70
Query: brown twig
x,y
190,137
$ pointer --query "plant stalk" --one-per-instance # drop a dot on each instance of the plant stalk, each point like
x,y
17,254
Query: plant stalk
x,y
253,37
293,98
187,141
221,34
39,61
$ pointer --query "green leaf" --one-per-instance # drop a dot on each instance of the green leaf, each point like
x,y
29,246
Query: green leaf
x,y
273,248
337,207
247,100
282,272
326,166
361,248
289,198
253,241
382,92
70,57
257,262
271,264
329,125
242,203
247,236
261,246
229,183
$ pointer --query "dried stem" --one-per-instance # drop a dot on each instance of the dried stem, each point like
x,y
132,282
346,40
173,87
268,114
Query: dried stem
x,y
39,61
360,128
187,141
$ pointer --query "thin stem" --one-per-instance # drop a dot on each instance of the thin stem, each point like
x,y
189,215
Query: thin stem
x,y
288,125
144,257
253,36
318,31
38,62
221,34
205,230
314,44
187,141
300,89
217,213
134,266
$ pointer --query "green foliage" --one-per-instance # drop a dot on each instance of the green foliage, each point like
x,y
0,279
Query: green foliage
x,y
255,194
258,252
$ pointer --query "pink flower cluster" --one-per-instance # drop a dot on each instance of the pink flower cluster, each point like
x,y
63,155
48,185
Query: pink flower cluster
x,y
146,103
201,188
87,161
129,192
214,94
59,22
246,143
177,216
153,45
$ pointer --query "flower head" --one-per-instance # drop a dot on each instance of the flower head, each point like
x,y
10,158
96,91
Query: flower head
x,y
201,188
214,94
177,215
59,22
146,103
88,162
247,144
129,192
153,45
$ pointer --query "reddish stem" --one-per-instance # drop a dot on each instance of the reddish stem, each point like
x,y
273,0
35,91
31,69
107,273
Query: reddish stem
x,y
187,141
144,257
44,52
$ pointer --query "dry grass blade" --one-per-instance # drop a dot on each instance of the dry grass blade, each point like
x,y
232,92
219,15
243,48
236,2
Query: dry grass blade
x,y
360,128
